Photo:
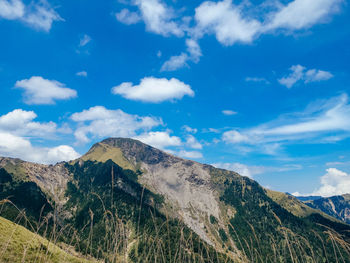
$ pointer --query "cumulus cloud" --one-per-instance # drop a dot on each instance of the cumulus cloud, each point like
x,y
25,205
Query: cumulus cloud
x,y
157,16
18,147
299,73
190,154
334,182
39,15
11,9
229,112
230,23
226,21
127,17
20,122
38,90
192,142
17,128
115,123
300,14
154,90
159,140
324,121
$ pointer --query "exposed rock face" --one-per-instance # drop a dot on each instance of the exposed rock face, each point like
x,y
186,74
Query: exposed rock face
x,y
52,179
336,206
226,210
186,184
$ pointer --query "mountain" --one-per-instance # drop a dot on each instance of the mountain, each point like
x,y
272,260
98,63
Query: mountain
x,y
127,201
336,206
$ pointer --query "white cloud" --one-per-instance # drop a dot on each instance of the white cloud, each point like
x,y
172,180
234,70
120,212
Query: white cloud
x,y
154,90
127,17
251,170
192,142
20,122
242,169
321,122
11,9
18,147
226,21
190,154
17,128
84,40
230,23
193,49
189,129
299,14
334,182
82,74
229,112
296,75
314,75
39,15
158,18
38,90
175,62
159,140
300,73
61,153
256,79
115,123
234,137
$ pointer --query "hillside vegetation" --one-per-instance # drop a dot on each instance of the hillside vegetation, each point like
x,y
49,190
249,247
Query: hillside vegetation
x,y
125,201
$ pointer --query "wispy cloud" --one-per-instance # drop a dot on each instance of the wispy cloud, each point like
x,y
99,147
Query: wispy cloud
x,y
251,170
299,73
39,14
323,121
229,112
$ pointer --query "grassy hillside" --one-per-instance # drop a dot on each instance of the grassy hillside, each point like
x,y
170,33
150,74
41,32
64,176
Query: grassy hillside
x,y
17,244
128,202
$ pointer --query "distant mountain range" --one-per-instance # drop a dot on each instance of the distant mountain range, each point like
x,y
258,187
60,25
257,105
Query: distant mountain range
x,y
125,201
336,206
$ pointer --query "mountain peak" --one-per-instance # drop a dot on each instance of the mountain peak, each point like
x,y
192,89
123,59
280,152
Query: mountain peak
x,y
127,153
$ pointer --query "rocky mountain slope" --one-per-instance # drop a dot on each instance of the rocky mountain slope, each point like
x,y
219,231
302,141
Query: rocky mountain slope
x,y
336,206
127,201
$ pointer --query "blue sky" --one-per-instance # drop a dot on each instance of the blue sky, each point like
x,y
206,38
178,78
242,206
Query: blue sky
x,y
259,87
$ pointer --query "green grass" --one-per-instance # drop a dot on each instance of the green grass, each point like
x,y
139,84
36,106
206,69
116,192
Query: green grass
x,y
102,152
17,244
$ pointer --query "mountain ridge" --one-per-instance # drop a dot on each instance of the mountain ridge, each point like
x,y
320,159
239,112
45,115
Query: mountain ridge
x,y
224,209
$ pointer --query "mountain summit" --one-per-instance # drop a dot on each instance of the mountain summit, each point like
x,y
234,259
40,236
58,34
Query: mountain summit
x,y
127,201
